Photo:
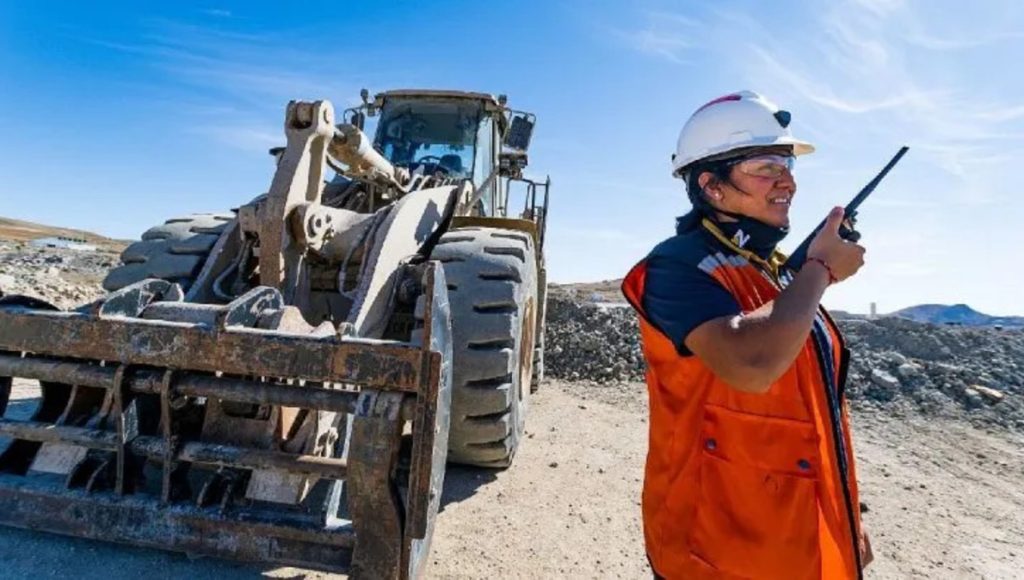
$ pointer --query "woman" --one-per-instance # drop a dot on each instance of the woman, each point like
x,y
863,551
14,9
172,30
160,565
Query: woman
x,y
750,471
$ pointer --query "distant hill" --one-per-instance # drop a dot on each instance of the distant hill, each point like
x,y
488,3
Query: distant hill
x,y
20,231
961,314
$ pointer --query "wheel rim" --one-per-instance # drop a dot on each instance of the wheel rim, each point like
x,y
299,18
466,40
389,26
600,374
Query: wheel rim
x,y
526,349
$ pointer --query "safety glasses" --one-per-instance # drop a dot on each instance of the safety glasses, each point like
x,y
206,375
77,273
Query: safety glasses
x,y
767,166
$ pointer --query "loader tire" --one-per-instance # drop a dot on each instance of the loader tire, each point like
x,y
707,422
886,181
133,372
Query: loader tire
x,y
492,288
174,251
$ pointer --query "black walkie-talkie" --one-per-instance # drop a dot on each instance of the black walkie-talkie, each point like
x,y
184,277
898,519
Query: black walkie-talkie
x,y
846,229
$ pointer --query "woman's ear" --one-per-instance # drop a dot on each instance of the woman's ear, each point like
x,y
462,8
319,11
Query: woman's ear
x,y
709,185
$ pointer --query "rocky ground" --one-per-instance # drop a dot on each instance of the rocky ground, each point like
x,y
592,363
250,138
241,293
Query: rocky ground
x,y
939,431
65,278
897,366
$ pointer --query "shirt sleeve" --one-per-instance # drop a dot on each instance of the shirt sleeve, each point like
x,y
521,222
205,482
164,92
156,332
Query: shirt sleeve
x,y
679,297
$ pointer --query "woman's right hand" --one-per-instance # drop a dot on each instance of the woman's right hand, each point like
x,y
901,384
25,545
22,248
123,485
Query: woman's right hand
x,y
843,258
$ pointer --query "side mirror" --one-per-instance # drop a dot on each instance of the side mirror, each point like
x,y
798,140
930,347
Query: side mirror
x,y
519,133
358,119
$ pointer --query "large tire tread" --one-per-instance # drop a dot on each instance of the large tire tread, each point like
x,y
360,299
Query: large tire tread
x,y
174,251
491,276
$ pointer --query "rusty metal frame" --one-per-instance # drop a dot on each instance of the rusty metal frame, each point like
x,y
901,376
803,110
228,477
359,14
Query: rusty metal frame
x,y
150,381
48,506
132,356
371,363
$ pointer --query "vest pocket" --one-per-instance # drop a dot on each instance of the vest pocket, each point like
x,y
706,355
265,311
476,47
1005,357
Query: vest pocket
x,y
757,511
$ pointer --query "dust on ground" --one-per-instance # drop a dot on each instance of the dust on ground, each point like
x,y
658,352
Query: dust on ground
x,y
944,501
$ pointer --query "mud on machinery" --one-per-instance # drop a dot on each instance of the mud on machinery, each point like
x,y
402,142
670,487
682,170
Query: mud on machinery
x,y
285,383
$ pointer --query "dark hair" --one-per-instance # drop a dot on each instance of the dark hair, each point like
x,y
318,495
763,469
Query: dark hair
x,y
720,170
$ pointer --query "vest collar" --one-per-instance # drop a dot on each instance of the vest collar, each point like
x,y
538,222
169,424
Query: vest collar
x,y
772,260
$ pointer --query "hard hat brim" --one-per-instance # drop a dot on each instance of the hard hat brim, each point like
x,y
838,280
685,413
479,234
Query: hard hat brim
x,y
800,147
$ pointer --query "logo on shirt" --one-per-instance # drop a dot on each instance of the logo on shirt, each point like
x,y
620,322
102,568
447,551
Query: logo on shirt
x,y
741,238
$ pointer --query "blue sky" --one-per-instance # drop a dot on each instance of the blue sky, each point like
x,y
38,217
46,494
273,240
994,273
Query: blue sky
x,y
116,116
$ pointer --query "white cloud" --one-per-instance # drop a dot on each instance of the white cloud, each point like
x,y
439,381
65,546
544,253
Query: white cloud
x,y
238,75
243,137
997,113
268,68
855,50
820,93
879,7
946,43
665,35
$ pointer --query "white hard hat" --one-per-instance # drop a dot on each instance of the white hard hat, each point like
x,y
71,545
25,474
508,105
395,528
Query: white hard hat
x,y
736,121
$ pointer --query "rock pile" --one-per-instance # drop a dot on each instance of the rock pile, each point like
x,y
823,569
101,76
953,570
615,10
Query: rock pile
x,y
593,343
977,373
65,278
897,365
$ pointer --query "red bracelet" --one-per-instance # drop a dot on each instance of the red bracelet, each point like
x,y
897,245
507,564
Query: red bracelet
x,y
831,277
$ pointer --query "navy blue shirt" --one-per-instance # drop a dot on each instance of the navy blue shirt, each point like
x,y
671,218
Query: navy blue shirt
x,y
678,295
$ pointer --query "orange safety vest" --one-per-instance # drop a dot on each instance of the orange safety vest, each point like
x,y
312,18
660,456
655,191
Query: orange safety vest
x,y
743,485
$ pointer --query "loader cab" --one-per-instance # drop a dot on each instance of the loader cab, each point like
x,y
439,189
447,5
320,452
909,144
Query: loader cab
x,y
453,133
453,137
458,134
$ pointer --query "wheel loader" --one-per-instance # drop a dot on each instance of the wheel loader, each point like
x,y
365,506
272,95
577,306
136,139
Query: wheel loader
x,y
285,383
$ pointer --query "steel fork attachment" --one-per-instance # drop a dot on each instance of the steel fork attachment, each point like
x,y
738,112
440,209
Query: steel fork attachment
x,y
197,428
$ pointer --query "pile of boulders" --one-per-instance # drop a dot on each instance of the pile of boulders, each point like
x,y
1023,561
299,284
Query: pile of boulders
x,y
65,278
897,365
585,341
940,370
